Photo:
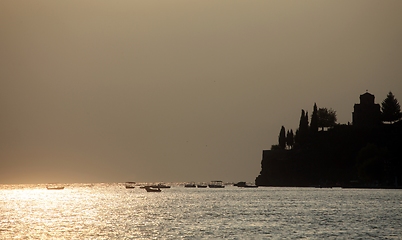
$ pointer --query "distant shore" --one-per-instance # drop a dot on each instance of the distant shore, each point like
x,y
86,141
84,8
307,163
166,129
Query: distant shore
x,y
339,187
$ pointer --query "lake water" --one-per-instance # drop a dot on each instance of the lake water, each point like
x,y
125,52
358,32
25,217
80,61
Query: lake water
x,y
109,211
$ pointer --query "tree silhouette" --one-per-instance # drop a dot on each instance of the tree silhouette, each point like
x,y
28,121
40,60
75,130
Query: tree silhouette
x,y
289,138
314,121
282,138
296,137
326,118
390,109
303,128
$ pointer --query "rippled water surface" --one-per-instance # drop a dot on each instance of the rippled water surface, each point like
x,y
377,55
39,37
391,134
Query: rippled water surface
x,y
109,211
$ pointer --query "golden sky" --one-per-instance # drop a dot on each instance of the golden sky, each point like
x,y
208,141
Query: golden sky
x,y
114,91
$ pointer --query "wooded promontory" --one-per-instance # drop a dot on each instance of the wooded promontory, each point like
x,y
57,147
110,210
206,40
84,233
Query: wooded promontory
x,y
322,153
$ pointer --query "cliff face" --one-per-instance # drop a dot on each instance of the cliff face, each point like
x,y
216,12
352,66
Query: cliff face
x,y
338,157
285,168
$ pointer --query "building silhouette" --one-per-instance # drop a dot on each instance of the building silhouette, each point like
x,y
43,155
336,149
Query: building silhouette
x,y
366,113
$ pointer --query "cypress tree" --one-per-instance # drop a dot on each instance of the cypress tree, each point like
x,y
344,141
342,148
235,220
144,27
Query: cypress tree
x,y
305,122
282,138
314,122
297,137
301,120
289,139
303,128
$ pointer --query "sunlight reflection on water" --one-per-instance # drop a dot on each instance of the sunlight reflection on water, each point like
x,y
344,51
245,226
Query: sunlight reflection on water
x,y
109,211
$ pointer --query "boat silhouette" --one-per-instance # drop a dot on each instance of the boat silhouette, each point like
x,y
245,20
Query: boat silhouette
x,y
151,189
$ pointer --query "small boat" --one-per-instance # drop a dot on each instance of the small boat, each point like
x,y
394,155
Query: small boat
x,y
250,186
190,185
160,186
201,186
216,184
245,185
54,188
240,184
130,185
151,189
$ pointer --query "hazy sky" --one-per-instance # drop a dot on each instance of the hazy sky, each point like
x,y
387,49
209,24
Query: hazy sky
x,y
114,91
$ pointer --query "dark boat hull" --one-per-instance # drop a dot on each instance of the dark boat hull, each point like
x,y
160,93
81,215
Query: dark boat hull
x,y
55,188
150,189
160,186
